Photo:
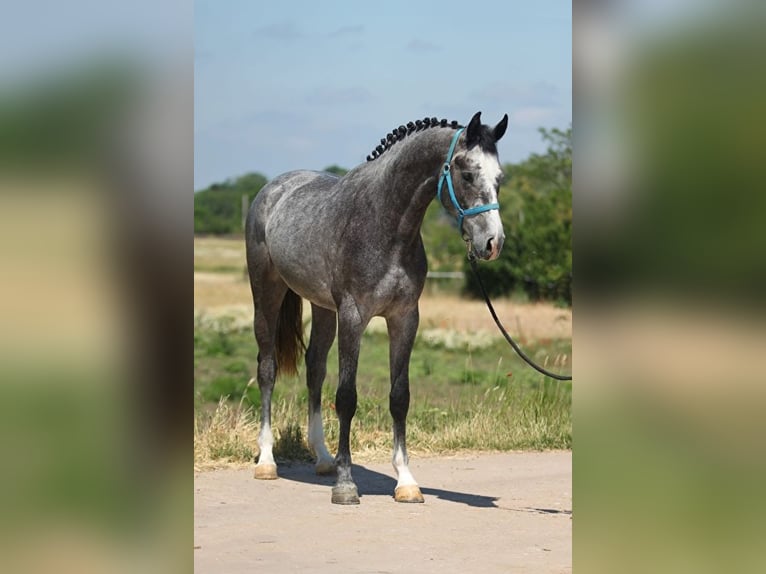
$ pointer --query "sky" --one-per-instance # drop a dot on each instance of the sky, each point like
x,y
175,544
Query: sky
x,y
306,84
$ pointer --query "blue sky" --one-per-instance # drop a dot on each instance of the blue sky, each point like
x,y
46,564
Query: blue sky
x,y
306,84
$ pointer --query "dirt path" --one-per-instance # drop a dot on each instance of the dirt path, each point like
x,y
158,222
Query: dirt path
x,y
484,513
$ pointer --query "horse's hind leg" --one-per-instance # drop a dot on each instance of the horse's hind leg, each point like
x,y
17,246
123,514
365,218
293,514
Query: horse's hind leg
x,y
401,333
323,322
267,295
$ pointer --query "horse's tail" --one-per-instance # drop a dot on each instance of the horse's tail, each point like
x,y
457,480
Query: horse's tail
x,y
290,344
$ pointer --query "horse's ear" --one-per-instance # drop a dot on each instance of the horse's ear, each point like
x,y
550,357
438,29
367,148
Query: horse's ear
x,y
499,129
473,131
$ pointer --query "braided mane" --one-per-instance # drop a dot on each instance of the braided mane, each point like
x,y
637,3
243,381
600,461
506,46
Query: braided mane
x,y
398,134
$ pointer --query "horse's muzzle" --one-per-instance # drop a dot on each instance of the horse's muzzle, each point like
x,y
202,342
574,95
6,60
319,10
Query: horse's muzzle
x,y
490,250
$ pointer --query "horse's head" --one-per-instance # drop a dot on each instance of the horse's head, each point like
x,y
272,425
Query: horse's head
x,y
475,173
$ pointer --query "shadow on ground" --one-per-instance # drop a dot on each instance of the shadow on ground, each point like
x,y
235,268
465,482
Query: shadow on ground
x,y
373,483
543,510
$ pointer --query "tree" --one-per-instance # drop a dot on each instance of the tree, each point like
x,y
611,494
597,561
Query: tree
x,y
218,208
336,169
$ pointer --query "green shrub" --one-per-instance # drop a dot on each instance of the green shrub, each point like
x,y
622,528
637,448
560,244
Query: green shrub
x,y
218,208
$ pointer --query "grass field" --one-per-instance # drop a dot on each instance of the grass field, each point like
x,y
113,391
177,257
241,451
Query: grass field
x,y
469,390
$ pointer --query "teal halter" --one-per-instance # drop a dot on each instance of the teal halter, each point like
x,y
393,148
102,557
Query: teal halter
x,y
447,175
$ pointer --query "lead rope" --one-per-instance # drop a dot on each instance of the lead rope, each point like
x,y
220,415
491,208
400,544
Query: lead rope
x,y
508,338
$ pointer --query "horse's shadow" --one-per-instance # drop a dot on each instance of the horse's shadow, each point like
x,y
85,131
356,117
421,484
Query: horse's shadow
x,y
373,483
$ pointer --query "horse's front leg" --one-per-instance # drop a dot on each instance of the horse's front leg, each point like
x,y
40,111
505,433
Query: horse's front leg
x,y
350,329
401,333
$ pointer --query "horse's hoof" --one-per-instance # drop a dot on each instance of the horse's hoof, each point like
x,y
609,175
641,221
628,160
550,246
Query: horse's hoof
x,y
324,468
408,493
266,471
345,494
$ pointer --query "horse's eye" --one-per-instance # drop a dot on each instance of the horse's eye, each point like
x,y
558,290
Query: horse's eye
x,y
468,177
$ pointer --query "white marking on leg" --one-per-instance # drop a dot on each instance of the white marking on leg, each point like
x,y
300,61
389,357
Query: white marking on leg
x,y
265,444
316,439
401,462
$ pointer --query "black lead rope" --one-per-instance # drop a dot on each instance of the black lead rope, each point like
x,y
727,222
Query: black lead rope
x,y
508,338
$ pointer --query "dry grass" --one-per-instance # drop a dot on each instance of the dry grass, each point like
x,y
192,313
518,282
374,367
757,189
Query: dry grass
x,y
217,294
497,419
228,435
530,321
216,253
213,291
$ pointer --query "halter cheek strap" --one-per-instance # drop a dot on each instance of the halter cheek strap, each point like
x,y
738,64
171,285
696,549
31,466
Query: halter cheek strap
x,y
446,175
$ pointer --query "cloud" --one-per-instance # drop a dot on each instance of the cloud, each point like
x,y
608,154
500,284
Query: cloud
x,y
339,96
344,31
532,116
286,31
535,94
422,47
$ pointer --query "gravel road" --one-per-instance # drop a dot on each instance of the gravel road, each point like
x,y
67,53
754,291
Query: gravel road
x,y
483,513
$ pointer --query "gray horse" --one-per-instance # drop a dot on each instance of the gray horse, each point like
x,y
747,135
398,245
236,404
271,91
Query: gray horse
x,y
351,246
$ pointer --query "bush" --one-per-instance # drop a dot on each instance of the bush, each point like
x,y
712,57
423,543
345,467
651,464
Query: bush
x,y
218,209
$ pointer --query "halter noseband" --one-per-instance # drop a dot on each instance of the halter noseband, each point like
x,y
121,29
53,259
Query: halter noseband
x,y
447,175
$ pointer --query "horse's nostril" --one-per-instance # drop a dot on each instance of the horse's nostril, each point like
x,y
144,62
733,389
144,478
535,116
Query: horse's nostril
x,y
489,244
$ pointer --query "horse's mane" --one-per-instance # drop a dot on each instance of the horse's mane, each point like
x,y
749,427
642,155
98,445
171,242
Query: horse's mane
x,y
398,134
